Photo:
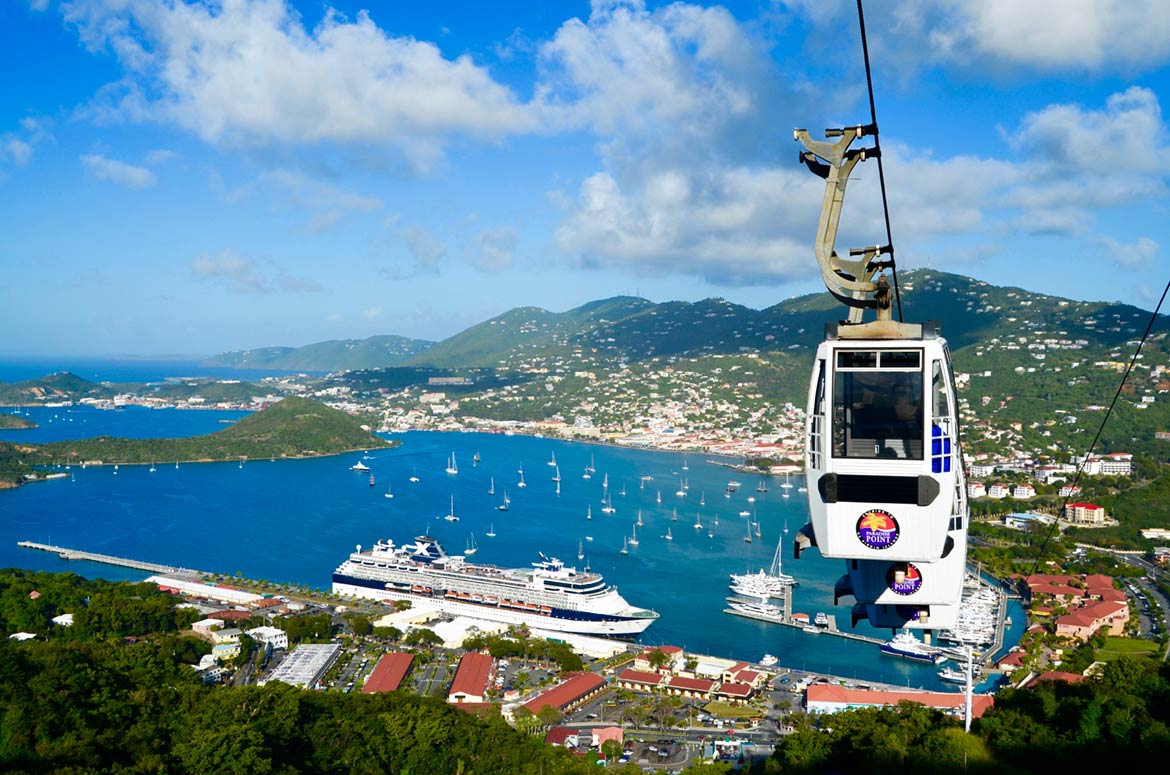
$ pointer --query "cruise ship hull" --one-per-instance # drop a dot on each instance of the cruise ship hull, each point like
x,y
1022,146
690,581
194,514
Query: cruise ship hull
x,y
516,613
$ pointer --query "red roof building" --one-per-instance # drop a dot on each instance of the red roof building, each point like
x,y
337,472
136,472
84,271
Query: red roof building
x,y
575,689
690,687
471,679
735,692
830,698
387,675
638,679
1086,620
563,736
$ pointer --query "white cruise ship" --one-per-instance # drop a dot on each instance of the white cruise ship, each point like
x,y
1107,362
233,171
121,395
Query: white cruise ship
x,y
548,595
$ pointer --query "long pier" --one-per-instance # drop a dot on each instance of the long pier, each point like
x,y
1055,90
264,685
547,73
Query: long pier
x,y
79,554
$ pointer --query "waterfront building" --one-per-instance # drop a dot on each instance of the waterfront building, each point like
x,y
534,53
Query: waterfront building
x,y
831,698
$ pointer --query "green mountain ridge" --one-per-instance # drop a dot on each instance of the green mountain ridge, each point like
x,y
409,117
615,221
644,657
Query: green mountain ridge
x,y
626,328
334,355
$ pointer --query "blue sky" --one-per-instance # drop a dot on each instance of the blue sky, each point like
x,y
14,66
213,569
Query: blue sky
x,y
194,177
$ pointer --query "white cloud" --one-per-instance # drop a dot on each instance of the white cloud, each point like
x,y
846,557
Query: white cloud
x,y
250,73
1077,35
1140,253
729,226
632,71
243,275
328,203
159,156
427,250
118,172
372,313
15,149
496,248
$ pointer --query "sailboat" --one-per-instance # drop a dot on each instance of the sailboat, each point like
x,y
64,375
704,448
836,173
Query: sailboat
x,y
757,529
521,482
747,539
588,512
371,479
553,460
492,486
625,546
451,467
491,533
504,505
591,468
558,486
557,474
388,493
634,537
674,515
639,522
471,547
787,484
115,469
762,487
176,464
660,496
606,498
451,515
680,492
580,550
668,536
152,466
703,499
475,459
684,465
622,492
413,475
698,522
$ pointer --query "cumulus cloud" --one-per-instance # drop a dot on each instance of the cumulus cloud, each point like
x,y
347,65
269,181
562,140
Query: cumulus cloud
x,y
242,275
250,73
730,226
118,172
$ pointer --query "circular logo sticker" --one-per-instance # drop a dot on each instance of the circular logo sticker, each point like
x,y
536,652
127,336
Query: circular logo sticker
x,y
877,529
904,578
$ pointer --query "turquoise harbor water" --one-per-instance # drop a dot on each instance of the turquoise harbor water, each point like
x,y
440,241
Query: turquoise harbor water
x,y
295,521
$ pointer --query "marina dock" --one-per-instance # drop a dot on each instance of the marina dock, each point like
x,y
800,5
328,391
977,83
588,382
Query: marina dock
x,y
830,629
78,554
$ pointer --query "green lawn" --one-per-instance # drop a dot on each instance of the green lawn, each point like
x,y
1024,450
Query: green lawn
x,y
1115,648
725,710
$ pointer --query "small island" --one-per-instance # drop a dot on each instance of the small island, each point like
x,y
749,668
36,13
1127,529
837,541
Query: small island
x,y
291,428
11,422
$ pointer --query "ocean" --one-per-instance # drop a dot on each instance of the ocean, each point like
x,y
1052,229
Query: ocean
x,y
296,520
